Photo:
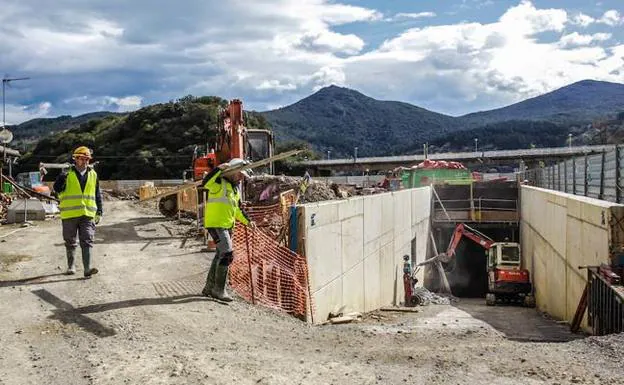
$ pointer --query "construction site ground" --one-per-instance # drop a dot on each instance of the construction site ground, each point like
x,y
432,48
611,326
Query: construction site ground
x,y
140,321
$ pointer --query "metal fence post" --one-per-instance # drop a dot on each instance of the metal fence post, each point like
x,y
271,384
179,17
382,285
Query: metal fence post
x,y
602,175
618,194
565,176
585,178
574,176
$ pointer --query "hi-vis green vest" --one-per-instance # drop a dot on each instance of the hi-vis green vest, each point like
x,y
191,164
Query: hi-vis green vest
x,y
221,206
75,202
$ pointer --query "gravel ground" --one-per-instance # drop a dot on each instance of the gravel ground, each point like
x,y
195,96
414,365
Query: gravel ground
x,y
140,321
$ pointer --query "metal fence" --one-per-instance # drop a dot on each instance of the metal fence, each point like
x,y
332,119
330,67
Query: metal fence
x,y
605,305
597,176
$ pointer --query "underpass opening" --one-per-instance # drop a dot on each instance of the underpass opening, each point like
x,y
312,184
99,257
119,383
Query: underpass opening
x,y
467,271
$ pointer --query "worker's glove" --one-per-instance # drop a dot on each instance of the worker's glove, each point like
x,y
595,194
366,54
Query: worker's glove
x,y
97,218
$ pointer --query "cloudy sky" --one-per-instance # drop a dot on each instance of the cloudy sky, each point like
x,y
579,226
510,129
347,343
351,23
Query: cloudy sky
x,y
450,56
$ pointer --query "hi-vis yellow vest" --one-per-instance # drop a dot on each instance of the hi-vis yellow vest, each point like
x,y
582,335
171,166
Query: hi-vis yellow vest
x,y
75,202
221,206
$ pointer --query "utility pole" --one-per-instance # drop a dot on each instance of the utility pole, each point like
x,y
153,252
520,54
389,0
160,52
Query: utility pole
x,y
569,140
355,154
476,140
5,82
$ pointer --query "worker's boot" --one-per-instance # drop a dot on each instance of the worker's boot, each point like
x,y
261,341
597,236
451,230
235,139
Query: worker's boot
x,y
71,261
210,279
219,291
86,263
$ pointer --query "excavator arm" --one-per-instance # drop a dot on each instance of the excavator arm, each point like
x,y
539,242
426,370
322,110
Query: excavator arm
x,y
463,230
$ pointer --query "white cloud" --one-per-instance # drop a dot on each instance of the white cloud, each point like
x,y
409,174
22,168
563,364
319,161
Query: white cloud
x,y
583,20
419,15
105,103
16,114
612,18
576,39
273,52
470,66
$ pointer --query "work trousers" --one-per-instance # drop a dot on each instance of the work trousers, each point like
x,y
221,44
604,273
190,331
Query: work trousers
x,y
223,240
81,227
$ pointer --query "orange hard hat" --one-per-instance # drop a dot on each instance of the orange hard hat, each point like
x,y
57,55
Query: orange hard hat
x,y
82,151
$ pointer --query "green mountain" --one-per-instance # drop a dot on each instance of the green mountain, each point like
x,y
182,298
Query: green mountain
x,y
339,119
157,141
577,103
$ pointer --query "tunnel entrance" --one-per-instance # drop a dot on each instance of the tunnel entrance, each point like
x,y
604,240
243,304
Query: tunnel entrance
x,y
467,272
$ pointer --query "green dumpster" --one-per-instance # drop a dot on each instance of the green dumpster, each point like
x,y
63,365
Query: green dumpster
x,y
7,188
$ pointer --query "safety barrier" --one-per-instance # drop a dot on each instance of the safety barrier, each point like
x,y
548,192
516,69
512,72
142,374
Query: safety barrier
x,y
605,304
266,273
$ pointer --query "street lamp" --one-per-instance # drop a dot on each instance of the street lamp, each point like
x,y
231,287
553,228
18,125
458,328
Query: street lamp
x,y
5,82
569,140
476,140
328,153
356,154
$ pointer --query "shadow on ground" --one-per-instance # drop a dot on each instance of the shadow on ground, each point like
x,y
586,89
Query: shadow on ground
x,y
68,314
518,323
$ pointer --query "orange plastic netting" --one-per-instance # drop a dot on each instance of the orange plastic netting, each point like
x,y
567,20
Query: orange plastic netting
x,y
265,271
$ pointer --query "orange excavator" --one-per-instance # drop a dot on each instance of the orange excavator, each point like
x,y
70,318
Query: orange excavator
x,y
507,280
233,140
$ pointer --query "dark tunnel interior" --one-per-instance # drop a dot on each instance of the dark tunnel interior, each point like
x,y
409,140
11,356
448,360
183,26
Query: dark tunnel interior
x,y
467,273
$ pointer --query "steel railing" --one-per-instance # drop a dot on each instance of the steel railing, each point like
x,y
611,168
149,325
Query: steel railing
x,y
605,304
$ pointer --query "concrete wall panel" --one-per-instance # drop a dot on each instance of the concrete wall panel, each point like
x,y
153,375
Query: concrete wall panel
x,y
355,248
559,233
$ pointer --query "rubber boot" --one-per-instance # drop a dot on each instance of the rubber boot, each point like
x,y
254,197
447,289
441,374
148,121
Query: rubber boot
x,y
71,261
86,263
218,291
210,279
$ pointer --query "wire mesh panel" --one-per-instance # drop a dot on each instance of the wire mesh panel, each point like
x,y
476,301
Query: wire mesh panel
x,y
579,175
561,176
610,174
569,176
594,169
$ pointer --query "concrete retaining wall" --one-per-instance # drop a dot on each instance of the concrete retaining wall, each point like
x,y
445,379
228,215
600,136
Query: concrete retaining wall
x,y
355,248
559,233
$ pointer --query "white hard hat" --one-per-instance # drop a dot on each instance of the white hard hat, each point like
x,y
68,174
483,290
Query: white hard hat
x,y
234,162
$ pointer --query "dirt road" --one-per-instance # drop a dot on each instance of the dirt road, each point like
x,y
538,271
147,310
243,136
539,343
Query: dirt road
x,y
140,321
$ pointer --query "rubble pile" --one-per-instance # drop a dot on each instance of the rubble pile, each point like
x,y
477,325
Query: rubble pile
x,y
5,202
266,189
124,195
424,297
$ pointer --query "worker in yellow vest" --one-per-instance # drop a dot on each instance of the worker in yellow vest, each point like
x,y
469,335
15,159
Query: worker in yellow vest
x,y
221,210
81,208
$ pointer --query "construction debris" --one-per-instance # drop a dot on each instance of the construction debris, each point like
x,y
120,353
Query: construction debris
x,y
424,297
265,189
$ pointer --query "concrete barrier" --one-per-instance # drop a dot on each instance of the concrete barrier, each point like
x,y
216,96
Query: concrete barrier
x,y
559,233
355,248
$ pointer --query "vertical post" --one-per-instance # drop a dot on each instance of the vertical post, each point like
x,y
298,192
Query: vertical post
x,y
618,174
574,176
602,175
585,178
249,255
565,176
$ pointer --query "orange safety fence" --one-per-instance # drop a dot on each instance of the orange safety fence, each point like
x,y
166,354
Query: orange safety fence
x,y
266,273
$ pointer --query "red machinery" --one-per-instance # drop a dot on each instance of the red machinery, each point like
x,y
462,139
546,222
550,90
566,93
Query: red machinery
x,y
506,279
233,140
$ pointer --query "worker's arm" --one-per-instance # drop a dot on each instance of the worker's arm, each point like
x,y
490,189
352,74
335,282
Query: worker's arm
x,y
241,215
98,197
212,176
59,183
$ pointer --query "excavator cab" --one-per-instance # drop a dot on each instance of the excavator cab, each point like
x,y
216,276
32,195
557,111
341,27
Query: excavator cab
x,y
507,280
504,254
